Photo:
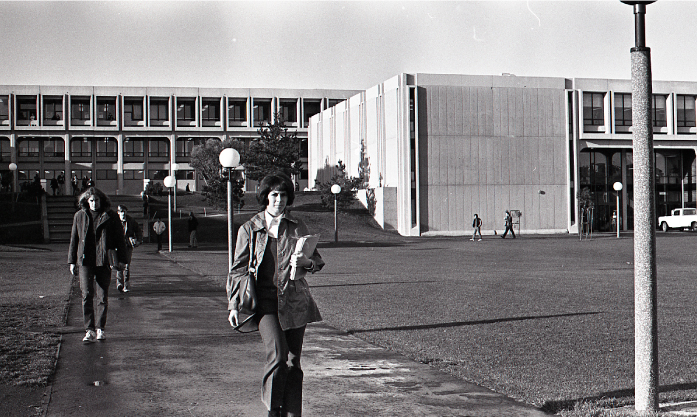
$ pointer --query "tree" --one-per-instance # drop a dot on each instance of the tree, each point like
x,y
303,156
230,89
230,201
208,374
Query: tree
x,y
276,150
348,188
205,159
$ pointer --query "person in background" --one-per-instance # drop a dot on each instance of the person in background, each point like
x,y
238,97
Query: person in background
x,y
95,235
145,198
54,185
192,224
159,228
285,306
476,224
508,221
74,184
132,238
61,182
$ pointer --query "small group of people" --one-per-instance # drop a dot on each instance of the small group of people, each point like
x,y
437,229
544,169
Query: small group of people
x,y
508,224
265,247
57,184
78,186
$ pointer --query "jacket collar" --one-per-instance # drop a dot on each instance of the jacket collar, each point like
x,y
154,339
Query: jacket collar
x,y
101,218
258,221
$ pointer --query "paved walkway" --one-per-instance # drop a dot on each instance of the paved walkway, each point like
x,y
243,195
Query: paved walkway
x,y
170,351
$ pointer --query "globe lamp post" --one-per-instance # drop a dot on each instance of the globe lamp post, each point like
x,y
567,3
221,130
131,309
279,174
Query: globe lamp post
x,y
169,182
617,187
13,168
335,189
229,159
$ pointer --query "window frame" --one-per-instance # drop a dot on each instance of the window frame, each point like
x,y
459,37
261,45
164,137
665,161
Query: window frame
x,y
130,105
683,122
233,104
624,116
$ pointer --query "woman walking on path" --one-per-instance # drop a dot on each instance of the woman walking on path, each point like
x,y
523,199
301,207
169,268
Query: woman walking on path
x,y
285,305
96,231
476,224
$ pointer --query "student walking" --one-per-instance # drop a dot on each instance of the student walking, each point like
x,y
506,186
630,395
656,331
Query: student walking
x,y
95,235
192,224
476,224
266,246
132,238
508,220
159,228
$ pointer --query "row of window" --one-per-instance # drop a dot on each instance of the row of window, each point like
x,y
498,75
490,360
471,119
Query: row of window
x,y
238,110
594,110
105,174
107,147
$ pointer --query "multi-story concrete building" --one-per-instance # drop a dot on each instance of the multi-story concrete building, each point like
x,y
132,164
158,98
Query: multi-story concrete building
x,y
440,148
123,137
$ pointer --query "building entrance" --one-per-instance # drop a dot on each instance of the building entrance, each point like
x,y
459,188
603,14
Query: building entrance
x,y
599,169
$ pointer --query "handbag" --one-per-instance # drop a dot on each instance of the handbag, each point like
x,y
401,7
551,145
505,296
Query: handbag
x,y
247,300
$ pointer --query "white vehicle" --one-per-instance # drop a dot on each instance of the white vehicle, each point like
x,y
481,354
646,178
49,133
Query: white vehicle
x,y
685,218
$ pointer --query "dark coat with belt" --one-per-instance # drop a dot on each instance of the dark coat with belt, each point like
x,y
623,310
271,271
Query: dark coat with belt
x,y
108,235
295,305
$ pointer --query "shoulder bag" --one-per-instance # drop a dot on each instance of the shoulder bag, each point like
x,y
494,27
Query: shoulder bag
x,y
247,300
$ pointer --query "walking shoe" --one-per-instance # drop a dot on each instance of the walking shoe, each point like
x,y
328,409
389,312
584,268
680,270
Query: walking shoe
x,y
120,288
89,337
101,335
479,240
472,239
125,289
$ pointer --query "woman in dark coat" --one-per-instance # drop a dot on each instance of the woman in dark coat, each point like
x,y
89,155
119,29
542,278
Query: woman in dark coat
x,y
96,231
285,305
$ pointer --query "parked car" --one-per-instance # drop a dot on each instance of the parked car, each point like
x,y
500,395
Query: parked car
x,y
682,218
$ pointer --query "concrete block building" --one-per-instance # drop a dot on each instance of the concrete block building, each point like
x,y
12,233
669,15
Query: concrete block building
x,y
440,148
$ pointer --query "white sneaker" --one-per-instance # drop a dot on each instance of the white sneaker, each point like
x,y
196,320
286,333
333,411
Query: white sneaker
x,y
479,240
101,334
125,289
89,337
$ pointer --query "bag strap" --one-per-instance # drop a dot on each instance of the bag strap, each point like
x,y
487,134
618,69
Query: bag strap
x,y
251,253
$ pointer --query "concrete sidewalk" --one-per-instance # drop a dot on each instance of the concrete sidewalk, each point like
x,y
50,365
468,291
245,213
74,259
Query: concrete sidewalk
x,y
170,351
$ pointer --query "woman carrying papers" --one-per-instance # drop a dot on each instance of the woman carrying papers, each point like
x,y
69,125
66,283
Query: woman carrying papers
x,y
277,248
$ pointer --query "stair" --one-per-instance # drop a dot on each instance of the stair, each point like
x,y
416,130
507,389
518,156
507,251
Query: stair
x,y
60,210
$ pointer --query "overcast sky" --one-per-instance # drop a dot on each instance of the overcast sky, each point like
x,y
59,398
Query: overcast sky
x,y
342,45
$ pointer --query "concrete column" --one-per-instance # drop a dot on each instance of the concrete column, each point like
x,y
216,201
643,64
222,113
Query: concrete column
x,y
67,188
646,381
120,162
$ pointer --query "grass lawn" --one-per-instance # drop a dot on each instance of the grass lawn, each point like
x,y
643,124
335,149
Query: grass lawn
x,y
33,302
545,319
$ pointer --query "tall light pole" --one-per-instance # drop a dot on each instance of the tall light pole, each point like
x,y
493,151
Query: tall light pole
x,y
335,189
229,159
617,187
173,170
646,363
169,182
13,168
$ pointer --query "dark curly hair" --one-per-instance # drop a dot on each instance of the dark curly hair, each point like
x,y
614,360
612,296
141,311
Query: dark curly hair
x,y
279,182
105,204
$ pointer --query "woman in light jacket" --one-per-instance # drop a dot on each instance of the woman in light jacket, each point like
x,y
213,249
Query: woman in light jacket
x,y
96,230
285,306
